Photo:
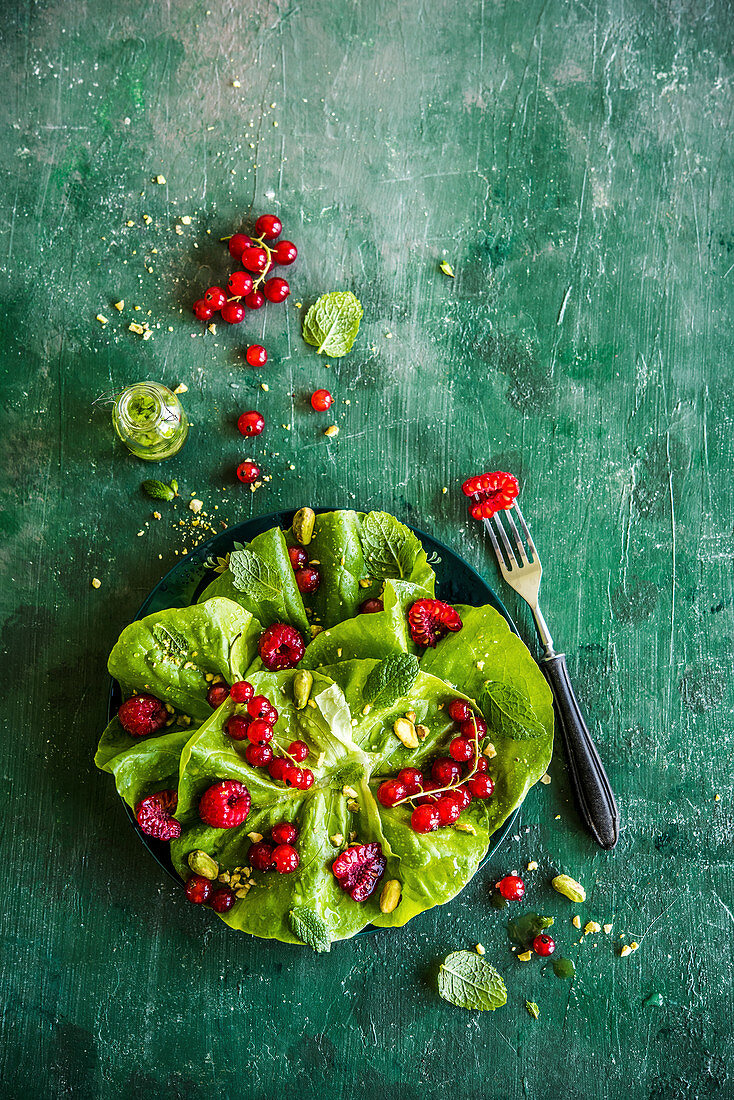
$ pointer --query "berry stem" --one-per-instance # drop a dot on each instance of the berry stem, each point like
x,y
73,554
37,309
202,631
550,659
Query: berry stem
x,y
281,749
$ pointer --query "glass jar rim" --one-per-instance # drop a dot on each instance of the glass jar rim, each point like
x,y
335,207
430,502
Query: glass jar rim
x,y
147,420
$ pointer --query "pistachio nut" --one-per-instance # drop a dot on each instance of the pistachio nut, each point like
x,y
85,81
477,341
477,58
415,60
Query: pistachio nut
x,y
302,684
569,887
203,864
303,525
390,896
404,730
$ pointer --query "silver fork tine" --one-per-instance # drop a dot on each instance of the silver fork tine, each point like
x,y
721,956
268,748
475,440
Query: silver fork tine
x,y
524,526
498,553
518,540
505,542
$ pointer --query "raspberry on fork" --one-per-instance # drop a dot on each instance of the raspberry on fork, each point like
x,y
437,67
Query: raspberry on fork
x,y
491,493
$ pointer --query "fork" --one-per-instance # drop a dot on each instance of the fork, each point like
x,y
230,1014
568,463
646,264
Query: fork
x,y
522,571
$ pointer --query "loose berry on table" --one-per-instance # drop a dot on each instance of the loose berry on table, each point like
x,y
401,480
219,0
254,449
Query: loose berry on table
x,y
260,707
461,749
544,945
259,732
233,313
237,727
284,833
215,296
222,900
276,289
308,579
280,646
285,859
258,755
260,855
251,423
268,227
371,607
254,259
225,804
321,400
299,750
480,786
154,815
142,715
198,889
284,253
298,556
459,710
425,819
248,472
239,284
255,300
216,695
511,887
241,691
391,792
237,243
256,355
202,310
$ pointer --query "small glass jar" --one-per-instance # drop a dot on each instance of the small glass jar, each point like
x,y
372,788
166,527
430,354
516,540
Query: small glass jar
x,y
150,421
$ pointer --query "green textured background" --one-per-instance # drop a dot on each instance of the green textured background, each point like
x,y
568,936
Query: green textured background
x,y
573,162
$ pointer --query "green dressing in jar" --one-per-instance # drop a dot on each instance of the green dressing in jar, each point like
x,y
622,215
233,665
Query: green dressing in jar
x,y
150,421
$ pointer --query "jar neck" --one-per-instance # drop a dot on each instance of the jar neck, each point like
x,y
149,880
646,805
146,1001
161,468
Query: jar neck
x,y
141,408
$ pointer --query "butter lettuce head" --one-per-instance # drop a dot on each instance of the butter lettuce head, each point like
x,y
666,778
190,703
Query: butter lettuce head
x,y
352,745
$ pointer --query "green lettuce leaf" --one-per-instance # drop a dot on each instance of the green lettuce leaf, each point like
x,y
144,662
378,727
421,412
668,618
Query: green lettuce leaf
x,y
141,767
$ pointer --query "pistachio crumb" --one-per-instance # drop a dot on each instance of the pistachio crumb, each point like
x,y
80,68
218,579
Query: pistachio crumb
x,y
331,431
350,791
196,505
181,388
255,837
576,922
545,779
160,179
119,306
525,956
337,840
96,582
607,928
591,928
489,751
533,865
479,949
102,319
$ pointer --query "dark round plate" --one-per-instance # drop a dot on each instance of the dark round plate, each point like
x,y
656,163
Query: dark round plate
x,y
456,582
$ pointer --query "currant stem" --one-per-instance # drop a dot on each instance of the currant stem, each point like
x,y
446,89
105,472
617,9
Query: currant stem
x,y
281,749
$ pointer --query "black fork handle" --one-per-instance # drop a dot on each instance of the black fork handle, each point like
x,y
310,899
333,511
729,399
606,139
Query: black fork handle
x,y
594,797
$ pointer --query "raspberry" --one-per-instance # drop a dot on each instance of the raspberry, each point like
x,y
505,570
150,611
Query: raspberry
x,y
142,715
358,870
491,492
511,887
222,900
425,819
260,855
284,833
281,647
198,889
225,804
216,695
429,620
285,859
153,815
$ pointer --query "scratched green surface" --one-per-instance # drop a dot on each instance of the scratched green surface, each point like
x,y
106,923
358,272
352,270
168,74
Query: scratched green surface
x,y
571,161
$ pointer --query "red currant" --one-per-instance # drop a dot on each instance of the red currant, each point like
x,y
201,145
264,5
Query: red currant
x,y
241,691
198,889
544,945
461,749
260,707
203,311
254,259
391,792
238,242
233,313
239,284
236,727
216,695
259,732
459,710
511,887
298,556
448,809
299,750
222,900
255,300
276,290
467,728
285,859
481,767
480,786
293,776
462,796
215,296
259,756
284,833
277,768
428,798
370,607
424,819
322,400
285,253
260,855
308,579
256,355
445,771
306,779
412,779
268,227
248,471
251,423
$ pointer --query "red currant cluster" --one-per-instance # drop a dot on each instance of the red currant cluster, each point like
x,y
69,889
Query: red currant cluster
x,y
278,852
202,891
440,800
256,726
258,258
308,577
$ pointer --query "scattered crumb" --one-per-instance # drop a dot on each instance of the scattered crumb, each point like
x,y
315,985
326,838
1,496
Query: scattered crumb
x,y
186,220
236,84
591,928
196,505
465,827
147,219
350,791
608,928
255,837
479,949
525,956
717,798
119,306
489,751
628,949
96,582
102,319
337,840
156,515
533,865
557,817
332,431
159,179
545,779
576,922
181,388
445,489
480,665
264,387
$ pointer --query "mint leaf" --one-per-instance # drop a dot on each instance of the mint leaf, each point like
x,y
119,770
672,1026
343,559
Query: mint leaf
x,y
532,1009
390,549
467,980
158,490
171,641
391,679
510,712
308,926
254,577
332,323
